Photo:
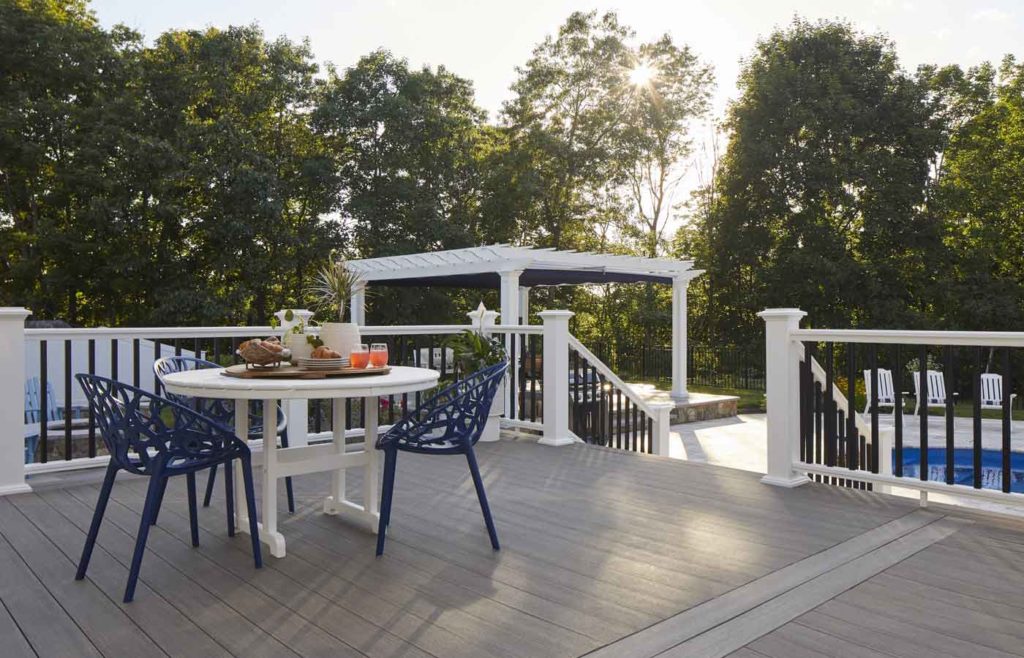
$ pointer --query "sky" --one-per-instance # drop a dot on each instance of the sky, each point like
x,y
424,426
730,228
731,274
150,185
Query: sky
x,y
486,40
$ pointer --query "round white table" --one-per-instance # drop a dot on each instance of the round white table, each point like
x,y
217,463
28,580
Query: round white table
x,y
283,462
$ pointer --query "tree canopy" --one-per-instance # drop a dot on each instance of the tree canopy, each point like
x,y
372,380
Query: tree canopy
x,y
203,177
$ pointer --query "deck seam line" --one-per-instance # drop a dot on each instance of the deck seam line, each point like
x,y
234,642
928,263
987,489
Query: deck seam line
x,y
639,643
17,625
681,649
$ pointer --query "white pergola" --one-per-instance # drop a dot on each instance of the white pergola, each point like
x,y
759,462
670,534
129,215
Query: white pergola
x,y
514,270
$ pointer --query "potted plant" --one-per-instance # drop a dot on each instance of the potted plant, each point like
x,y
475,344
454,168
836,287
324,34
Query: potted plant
x,y
473,350
332,287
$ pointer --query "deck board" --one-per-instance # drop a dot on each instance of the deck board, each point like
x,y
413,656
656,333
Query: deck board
x,y
597,545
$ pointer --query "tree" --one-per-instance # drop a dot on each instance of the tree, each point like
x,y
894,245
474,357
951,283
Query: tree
x,y
982,203
409,145
822,185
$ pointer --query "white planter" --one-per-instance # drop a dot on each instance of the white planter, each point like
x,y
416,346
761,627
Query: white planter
x,y
298,315
342,337
299,346
492,428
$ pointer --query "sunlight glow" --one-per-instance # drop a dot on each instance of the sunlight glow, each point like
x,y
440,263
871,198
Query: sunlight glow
x,y
641,74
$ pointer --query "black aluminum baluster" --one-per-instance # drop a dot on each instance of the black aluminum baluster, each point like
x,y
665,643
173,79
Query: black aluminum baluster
x,y
1007,390
67,400
44,439
135,362
979,366
851,417
922,404
897,379
831,415
873,398
156,357
950,412
89,411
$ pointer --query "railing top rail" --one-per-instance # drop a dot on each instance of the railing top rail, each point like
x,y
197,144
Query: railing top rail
x,y
912,337
114,333
147,332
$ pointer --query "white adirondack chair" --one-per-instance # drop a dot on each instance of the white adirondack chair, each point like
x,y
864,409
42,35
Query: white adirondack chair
x,y
936,390
886,390
992,391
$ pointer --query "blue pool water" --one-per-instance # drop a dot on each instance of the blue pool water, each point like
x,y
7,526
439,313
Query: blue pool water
x,y
963,467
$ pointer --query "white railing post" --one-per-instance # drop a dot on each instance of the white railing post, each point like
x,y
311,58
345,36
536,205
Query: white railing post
x,y
12,400
556,378
662,422
782,378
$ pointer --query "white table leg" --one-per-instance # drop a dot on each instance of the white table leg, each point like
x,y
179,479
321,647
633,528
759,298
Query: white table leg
x,y
371,473
365,515
242,432
337,495
268,528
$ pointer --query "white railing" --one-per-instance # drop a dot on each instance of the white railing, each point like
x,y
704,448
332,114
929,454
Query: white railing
x,y
785,350
129,352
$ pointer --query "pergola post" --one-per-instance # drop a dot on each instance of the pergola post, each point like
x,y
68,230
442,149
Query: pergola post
x,y
358,303
524,305
509,293
679,284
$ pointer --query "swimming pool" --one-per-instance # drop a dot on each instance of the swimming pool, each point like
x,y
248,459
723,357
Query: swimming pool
x,y
963,467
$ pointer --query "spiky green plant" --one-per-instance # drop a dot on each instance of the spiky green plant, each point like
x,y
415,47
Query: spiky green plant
x,y
332,287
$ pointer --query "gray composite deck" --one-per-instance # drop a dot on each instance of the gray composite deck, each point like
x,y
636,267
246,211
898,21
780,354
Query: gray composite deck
x,y
603,551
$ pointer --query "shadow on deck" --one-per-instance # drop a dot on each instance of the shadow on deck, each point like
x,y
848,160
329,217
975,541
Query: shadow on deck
x,y
598,545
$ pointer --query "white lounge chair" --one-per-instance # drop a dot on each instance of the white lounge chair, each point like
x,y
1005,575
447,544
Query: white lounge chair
x,y
886,390
936,390
992,391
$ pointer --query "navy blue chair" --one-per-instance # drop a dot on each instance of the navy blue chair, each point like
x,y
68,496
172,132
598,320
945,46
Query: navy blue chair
x,y
223,411
449,423
151,436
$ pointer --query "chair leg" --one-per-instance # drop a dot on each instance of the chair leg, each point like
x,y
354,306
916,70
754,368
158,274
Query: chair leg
x,y
482,495
160,499
209,486
193,519
97,519
386,496
229,495
288,480
250,505
157,484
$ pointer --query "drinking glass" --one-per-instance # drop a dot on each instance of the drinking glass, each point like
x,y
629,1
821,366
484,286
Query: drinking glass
x,y
360,356
378,355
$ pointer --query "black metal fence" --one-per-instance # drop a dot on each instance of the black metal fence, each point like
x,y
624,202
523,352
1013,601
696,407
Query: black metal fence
x,y
719,366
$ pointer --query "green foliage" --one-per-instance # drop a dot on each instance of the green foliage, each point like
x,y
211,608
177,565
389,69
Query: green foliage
x,y
333,286
209,177
474,351
820,198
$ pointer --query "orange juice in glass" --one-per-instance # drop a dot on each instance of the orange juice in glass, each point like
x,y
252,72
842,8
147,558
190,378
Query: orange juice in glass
x,y
360,356
378,355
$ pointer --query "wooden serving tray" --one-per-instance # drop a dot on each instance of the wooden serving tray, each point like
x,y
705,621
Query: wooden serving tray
x,y
294,372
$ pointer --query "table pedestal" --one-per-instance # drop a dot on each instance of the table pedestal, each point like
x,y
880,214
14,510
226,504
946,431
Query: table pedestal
x,y
284,462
